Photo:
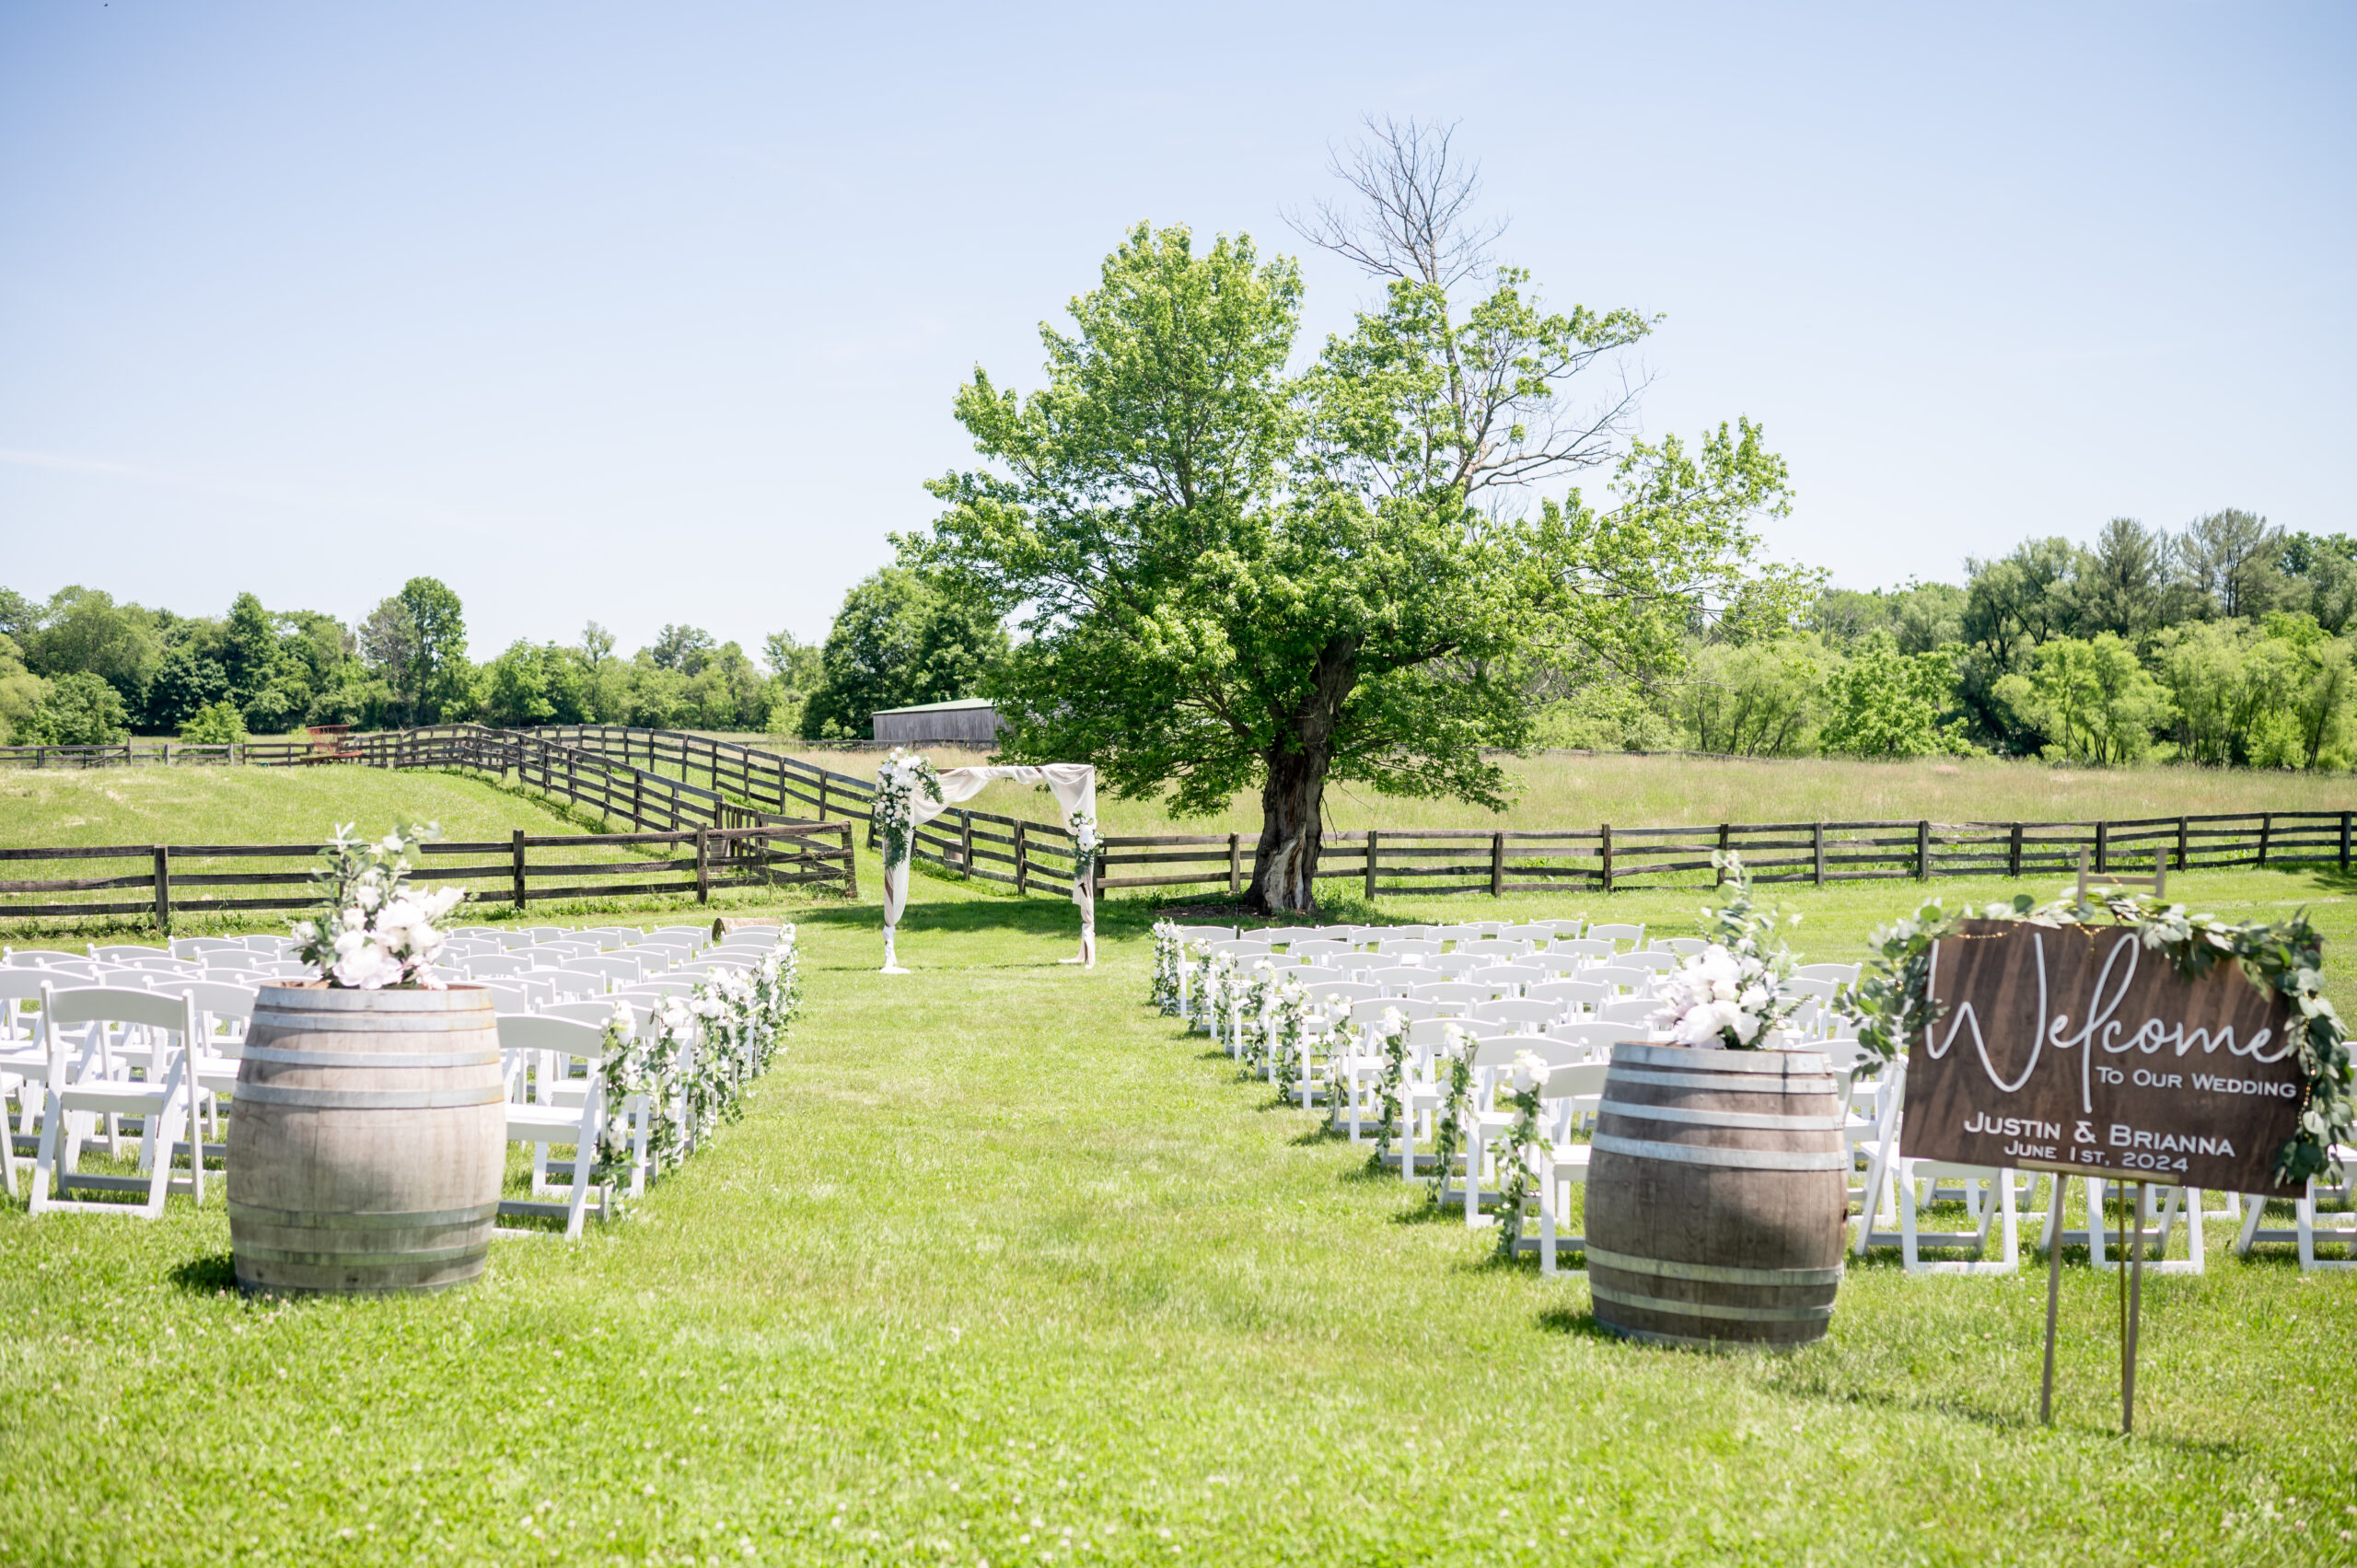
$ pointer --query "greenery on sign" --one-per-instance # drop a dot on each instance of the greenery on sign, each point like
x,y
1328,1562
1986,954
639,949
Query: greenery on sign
x,y
2282,957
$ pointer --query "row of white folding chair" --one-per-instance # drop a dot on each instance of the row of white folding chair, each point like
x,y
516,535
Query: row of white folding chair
x,y
78,1096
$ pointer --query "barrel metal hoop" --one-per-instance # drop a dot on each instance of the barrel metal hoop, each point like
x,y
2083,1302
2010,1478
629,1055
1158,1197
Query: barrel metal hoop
x,y
473,1250
1761,1121
368,1058
1706,1154
1712,1273
1725,1083
314,1219
300,1023
1709,1308
369,1099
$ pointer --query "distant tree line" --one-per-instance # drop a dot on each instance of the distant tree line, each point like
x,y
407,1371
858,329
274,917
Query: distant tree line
x,y
81,668
2228,644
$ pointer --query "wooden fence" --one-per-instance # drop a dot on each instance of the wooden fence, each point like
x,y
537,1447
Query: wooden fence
x,y
688,840
645,777
1424,861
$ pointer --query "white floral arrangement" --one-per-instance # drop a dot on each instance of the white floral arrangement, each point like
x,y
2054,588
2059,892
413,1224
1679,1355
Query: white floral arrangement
x,y
1520,1094
1731,995
373,930
692,1061
1083,829
899,779
1169,959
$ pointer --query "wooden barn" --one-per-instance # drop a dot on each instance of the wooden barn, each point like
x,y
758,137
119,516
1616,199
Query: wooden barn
x,y
970,721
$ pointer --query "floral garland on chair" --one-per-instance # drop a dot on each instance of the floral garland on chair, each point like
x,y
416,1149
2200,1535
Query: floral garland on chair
x,y
1170,960
1515,1188
735,1022
1394,1030
1893,993
1448,1132
1289,1011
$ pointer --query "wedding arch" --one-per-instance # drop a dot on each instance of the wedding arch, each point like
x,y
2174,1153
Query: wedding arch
x,y
910,793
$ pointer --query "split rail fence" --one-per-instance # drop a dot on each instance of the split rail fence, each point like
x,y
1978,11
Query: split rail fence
x,y
684,840
648,778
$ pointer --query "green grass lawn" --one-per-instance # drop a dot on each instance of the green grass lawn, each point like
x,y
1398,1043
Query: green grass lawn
x,y
1001,1268
1572,790
274,805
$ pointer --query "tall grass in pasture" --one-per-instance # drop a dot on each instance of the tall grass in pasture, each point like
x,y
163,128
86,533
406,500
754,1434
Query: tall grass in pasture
x,y
249,805
183,806
1001,1267
1579,790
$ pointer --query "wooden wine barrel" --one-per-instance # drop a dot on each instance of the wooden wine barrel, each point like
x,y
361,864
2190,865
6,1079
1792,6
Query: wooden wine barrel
x,y
1717,1197
367,1140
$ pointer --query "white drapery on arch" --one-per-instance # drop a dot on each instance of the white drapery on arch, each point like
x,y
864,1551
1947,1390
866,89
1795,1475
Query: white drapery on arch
x,y
1074,787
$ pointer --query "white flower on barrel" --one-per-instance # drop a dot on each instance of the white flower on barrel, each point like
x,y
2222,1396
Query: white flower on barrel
x,y
374,929
1731,995
1719,998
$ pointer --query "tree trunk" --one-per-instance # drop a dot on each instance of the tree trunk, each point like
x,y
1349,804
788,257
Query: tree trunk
x,y
1284,876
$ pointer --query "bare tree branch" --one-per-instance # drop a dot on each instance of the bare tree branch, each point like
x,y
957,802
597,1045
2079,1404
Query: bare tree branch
x,y
1414,221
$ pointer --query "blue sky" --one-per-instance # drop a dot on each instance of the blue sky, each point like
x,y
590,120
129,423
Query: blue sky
x,y
650,313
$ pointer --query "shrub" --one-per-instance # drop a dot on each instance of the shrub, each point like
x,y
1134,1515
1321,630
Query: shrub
x,y
80,710
216,724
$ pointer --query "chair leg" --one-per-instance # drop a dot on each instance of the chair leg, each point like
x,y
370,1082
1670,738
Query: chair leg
x,y
45,1155
1908,1260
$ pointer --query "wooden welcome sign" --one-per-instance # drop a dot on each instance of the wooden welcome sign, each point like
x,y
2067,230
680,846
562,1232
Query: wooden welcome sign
x,y
2077,1049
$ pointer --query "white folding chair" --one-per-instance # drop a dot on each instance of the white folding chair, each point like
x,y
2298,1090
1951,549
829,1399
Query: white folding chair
x,y
1683,947
1563,1163
1521,1015
75,1100
548,1119
1632,934
1577,996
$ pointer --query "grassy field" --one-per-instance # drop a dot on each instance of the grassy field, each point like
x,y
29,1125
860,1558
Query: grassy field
x,y
1001,1268
1562,790
270,806
251,805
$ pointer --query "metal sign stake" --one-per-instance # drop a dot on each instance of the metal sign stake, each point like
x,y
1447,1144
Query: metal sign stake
x,y
2130,1323
2053,1290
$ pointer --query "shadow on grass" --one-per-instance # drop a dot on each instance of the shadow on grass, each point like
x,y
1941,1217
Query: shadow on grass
x,y
208,1275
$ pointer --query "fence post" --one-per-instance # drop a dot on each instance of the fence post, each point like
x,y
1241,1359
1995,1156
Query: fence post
x,y
1497,865
1372,836
516,842
703,868
1723,836
1818,839
2013,852
2344,842
1607,856
822,791
966,843
851,862
1022,853
2266,831
163,889
2103,848
1923,851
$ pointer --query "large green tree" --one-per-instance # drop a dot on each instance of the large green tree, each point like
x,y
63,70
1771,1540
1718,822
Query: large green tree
x,y
1235,577
901,638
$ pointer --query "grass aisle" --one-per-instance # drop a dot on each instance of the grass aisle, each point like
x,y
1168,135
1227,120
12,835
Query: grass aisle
x,y
1001,1268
